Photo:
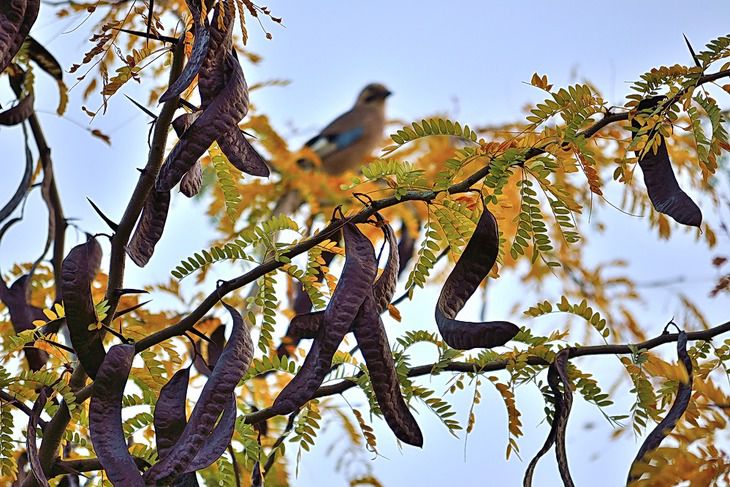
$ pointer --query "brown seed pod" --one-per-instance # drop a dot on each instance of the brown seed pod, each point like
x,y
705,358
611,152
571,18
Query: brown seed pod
x,y
105,418
472,267
192,181
370,335
150,227
22,188
16,19
44,59
354,285
550,440
183,122
76,282
22,315
198,53
217,442
212,73
20,112
664,192
216,395
679,406
31,445
561,416
241,154
223,114
406,246
169,417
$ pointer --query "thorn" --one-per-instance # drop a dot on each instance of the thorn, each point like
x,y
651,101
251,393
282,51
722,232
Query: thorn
x,y
123,291
158,37
692,51
200,335
141,170
106,219
188,105
130,309
144,109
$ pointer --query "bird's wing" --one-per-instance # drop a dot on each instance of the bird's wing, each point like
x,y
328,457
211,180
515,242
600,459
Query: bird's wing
x,y
343,132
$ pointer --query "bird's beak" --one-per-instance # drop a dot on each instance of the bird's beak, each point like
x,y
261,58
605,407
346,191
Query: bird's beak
x,y
387,93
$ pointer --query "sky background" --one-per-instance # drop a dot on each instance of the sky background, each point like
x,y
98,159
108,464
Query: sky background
x,y
467,59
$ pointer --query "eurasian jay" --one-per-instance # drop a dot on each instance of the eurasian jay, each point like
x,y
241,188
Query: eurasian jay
x,y
348,140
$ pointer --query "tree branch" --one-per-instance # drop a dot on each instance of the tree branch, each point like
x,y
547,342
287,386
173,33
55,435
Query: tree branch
x,y
581,351
10,399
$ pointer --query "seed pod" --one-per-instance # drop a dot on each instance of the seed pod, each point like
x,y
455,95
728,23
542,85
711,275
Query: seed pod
x,y
561,416
305,325
22,188
216,345
384,286
679,406
664,192
406,246
354,285
223,114
22,315
550,440
19,113
217,442
192,181
44,59
31,445
198,53
183,122
216,394
169,418
16,19
105,418
212,74
370,335
80,313
472,267
241,154
150,227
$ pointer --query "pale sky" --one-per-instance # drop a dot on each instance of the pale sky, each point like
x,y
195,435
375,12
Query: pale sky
x,y
469,59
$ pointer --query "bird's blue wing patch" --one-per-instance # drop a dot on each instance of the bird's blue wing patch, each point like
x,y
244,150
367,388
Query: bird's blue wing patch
x,y
347,138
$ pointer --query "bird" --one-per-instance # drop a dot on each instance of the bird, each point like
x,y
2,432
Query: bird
x,y
349,139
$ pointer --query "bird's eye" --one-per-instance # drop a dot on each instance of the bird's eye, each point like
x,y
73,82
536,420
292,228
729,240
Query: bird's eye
x,y
370,98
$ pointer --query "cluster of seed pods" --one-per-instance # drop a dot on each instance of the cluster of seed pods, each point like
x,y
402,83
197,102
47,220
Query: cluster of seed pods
x,y
472,267
22,315
355,306
184,445
664,192
224,102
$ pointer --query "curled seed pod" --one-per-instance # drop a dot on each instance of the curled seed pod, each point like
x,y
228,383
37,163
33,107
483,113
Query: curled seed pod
x,y
149,228
664,192
553,380
169,418
80,312
305,325
406,246
679,406
216,344
257,480
472,267
16,19
31,445
384,286
198,53
22,188
192,181
370,335
241,154
105,418
44,59
216,394
22,315
354,285
20,112
561,417
223,114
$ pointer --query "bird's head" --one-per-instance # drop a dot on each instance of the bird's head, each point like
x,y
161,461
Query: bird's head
x,y
373,94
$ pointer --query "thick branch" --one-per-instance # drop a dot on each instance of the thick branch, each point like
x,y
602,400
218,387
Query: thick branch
x,y
467,367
